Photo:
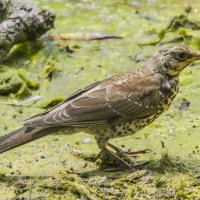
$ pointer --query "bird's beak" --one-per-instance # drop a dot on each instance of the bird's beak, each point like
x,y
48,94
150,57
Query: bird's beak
x,y
197,56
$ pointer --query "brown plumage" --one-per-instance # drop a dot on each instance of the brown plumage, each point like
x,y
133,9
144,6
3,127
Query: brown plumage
x,y
118,106
117,98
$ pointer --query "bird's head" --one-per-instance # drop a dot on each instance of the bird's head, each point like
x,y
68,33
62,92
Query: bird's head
x,y
173,58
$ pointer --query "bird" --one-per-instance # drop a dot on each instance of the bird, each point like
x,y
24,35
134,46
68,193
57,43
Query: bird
x,y
118,106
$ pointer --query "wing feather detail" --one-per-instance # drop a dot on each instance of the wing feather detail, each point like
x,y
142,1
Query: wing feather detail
x,y
106,101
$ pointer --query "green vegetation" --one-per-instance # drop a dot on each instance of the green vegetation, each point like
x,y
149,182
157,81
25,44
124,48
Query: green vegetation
x,y
38,75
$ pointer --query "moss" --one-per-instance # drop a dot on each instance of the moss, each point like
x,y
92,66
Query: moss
x,y
10,82
16,83
49,70
30,83
179,24
51,74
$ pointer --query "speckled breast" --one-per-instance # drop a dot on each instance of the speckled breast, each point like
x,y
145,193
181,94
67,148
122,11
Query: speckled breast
x,y
170,90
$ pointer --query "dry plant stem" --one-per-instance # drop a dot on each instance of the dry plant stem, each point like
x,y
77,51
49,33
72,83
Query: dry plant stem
x,y
81,36
20,22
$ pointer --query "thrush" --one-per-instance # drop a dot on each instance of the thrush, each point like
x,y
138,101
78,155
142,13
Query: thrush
x,y
117,106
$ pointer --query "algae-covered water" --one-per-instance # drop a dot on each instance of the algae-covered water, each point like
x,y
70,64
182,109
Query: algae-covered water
x,y
35,76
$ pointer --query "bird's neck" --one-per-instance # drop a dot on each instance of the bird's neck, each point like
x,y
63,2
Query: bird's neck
x,y
155,67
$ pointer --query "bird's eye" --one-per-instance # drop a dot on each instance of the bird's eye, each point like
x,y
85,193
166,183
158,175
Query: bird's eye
x,y
181,56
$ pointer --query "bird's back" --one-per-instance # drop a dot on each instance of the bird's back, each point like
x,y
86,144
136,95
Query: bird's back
x,y
133,95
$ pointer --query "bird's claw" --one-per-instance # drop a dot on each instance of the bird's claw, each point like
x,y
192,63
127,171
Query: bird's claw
x,y
143,151
128,153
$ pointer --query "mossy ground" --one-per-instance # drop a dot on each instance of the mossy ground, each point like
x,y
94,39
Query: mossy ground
x,y
48,72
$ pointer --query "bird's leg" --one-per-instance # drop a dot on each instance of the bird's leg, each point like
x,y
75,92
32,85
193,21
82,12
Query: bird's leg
x,y
128,153
118,159
102,145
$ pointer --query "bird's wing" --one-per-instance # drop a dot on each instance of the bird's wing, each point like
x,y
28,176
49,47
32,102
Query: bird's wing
x,y
72,96
105,102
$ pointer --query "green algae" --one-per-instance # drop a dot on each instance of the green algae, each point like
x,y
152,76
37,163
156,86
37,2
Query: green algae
x,y
14,83
47,168
9,81
142,184
181,23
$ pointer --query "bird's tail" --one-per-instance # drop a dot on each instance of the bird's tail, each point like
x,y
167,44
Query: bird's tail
x,y
22,136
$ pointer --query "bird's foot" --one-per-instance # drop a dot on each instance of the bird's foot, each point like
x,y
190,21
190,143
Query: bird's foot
x,y
109,160
133,154
113,161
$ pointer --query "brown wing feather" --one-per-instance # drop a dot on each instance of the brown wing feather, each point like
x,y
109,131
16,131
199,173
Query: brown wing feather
x,y
79,92
107,101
